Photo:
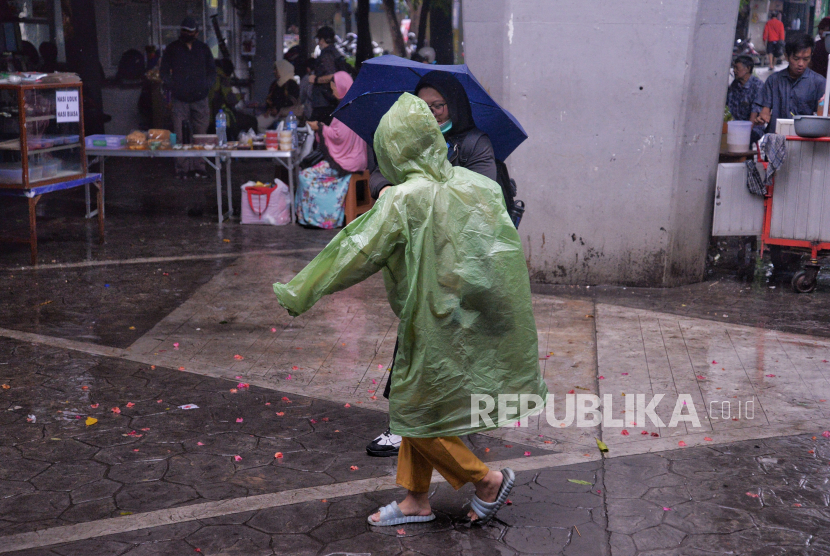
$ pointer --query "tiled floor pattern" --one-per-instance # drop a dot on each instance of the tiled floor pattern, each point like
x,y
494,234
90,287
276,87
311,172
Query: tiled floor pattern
x,y
742,382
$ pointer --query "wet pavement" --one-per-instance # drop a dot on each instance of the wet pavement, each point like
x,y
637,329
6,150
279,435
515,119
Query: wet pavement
x,y
175,310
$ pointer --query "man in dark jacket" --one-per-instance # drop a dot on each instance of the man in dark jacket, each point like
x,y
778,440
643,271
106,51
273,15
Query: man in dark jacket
x,y
188,71
323,102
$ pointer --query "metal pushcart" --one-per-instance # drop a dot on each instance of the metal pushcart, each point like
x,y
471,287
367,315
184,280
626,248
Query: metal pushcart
x,y
797,206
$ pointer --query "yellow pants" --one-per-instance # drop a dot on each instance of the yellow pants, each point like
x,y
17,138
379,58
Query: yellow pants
x,y
417,458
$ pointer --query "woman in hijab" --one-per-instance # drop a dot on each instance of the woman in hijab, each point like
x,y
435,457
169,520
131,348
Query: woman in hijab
x,y
321,192
283,96
450,106
457,280
448,102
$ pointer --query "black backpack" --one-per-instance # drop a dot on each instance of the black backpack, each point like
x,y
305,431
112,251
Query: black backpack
x,y
515,207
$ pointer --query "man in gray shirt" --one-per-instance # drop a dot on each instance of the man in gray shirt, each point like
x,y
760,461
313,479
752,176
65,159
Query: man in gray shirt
x,y
793,91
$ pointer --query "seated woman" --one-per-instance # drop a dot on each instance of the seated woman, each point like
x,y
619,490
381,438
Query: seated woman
x,y
321,192
283,96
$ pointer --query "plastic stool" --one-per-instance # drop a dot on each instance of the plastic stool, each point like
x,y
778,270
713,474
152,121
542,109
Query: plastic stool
x,y
358,198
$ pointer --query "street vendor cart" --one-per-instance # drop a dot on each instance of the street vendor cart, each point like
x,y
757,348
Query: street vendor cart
x,y
797,206
793,215
42,145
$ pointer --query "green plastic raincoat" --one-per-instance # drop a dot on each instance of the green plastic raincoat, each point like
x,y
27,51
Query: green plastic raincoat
x,y
455,275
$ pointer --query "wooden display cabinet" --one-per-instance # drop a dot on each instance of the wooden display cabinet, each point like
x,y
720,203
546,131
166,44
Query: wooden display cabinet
x,y
41,134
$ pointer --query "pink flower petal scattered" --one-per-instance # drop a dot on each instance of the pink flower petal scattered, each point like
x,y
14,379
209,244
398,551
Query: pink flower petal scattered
x,y
273,330
159,401
286,400
181,368
278,455
116,410
94,406
130,404
701,377
288,377
714,362
239,419
200,444
625,374
527,454
233,390
571,391
312,421
681,444
624,432
665,509
243,385
401,531
644,433
752,495
707,439
826,434
508,502
347,405
354,468
601,377
237,458
280,413
770,376
655,435
374,381
380,366
295,368
175,345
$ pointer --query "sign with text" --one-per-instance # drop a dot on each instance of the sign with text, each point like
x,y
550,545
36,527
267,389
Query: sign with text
x,y
68,109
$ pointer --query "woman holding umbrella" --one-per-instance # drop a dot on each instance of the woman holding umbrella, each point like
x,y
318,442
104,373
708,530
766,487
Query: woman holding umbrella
x,y
468,147
448,102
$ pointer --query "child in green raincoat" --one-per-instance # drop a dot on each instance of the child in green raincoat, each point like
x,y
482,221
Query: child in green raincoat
x,y
456,277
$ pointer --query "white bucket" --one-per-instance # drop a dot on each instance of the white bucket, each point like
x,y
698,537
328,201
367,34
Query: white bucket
x,y
737,135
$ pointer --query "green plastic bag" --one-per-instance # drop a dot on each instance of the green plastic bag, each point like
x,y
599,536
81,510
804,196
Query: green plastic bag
x,y
455,275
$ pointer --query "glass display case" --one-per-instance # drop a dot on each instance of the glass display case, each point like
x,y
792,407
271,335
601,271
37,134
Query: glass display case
x,y
41,134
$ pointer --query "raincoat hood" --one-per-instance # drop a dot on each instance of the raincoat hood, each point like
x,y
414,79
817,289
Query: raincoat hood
x,y
408,143
455,275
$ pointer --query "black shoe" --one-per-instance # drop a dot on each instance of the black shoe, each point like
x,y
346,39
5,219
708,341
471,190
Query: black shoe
x,y
385,445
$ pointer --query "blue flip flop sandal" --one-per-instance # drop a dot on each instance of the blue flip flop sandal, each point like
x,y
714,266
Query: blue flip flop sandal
x,y
391,514
486,510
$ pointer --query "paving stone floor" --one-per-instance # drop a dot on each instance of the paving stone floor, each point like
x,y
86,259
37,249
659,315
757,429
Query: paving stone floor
x,y
93,329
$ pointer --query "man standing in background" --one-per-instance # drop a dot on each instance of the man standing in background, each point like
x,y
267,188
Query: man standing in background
x,y
188,71
774,35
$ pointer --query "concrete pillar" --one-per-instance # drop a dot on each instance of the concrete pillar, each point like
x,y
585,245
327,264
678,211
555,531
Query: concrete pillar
x,y
623,103
265,17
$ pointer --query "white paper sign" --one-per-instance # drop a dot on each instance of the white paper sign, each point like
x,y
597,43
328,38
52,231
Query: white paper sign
x,y
67,106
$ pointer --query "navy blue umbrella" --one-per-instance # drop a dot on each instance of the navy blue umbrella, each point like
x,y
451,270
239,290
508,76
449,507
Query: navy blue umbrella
x,y
382,80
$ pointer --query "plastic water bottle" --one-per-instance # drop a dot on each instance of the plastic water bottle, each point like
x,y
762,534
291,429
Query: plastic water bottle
x,y
291,125
221,128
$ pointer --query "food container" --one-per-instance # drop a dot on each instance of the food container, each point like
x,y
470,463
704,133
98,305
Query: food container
x,y
812,126
104,141
285,135
11,173
51,168
205,139
287,146
737,135
155,145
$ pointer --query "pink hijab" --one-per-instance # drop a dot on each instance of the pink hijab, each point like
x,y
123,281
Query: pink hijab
x,y
344,145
